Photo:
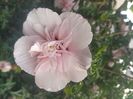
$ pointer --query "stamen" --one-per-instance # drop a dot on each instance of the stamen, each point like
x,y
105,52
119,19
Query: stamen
x,y
47,50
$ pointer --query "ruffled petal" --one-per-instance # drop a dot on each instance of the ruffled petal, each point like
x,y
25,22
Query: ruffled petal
x,y
22,55
84,57
73,69
39,19
49,78
80,29
63,30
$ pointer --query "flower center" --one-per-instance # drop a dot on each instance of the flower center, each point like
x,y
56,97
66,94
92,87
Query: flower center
x,y
47,49
51,48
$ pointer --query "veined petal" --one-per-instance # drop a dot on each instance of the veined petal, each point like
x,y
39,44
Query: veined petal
x,y
50,79
39,19
63,30
73,69
80,29
84,57
22,55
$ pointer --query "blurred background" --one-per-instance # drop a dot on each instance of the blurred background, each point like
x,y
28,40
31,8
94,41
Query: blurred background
x,y
111,72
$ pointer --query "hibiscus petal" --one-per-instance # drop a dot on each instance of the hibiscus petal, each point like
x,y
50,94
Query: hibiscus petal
x,y
22,55
84,57
73,68
64,30
28,29
38,19
80,29
49,78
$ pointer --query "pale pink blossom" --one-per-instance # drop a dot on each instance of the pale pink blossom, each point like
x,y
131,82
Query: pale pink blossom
x,y
54,48
5,66
66,5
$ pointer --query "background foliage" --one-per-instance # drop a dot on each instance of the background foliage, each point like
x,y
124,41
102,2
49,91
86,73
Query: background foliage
x,y
103,81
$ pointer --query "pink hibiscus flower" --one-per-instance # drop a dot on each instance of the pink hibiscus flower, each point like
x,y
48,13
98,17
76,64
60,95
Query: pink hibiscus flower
x,y
54,48
65,5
